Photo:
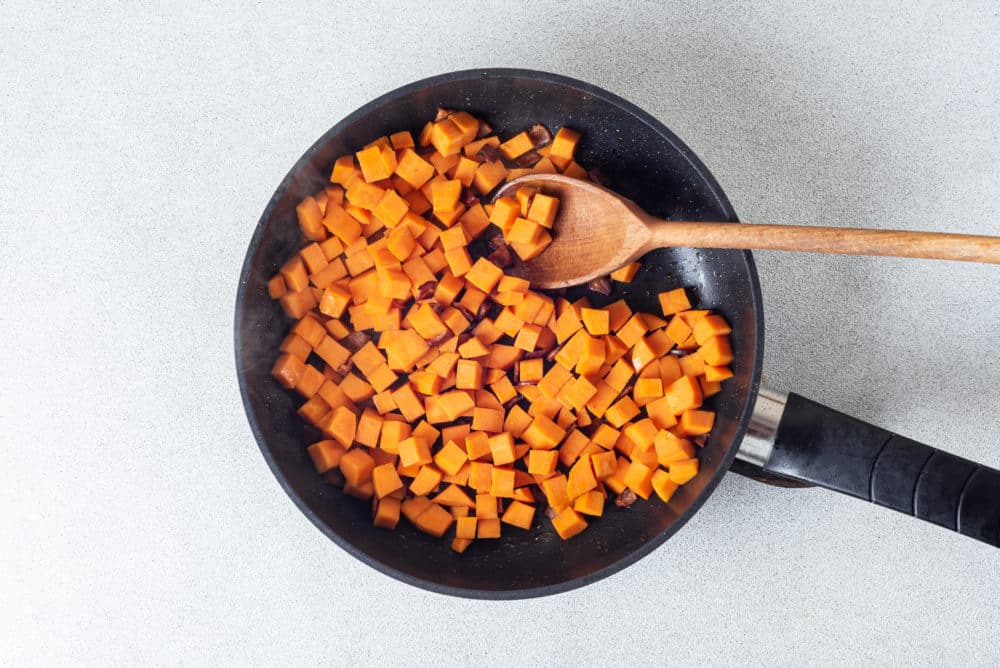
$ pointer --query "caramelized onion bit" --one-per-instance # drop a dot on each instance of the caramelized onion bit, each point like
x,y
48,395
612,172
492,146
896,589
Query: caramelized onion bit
x,y
426,290
488,153
539,135
601,285
625,499
469,197
501,256
355,341
440,338
469,315
529,159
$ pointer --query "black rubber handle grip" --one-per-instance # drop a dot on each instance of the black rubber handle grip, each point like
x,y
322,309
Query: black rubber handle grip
x,y
833,450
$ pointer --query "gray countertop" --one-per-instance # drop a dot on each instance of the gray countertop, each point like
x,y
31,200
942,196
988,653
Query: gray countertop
x,y
140,524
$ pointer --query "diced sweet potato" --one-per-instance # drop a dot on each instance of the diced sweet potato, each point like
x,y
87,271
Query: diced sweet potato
x,y
478,388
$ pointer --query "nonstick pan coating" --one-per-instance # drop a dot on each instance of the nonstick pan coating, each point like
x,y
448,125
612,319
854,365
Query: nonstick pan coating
x,y
644,161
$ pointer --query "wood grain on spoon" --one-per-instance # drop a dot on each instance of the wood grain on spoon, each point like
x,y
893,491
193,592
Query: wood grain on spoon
x,y
598,231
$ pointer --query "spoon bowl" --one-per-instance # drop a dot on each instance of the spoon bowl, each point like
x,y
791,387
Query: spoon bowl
x,y
596,229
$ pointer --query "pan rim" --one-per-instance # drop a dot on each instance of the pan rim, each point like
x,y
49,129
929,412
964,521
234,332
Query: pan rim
x,y
741,423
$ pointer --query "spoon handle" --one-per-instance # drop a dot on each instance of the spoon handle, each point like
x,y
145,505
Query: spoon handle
x,y
848,241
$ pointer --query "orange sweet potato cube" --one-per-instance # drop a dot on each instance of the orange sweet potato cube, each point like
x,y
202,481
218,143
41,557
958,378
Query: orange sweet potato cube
x,y
683,394
717,374
334,301
487,506
415,171
590,503
342,225
469,375
502,482
591,355
484,275
663,485
445,194
581,478
314,411
595,320
426,481
373,167
524,231
369,428
450,458
642,355
400,140
288,370
391,208
519,514
488,176
669,448
516,146
626,273
621,412
357,466
488,420
543,433
505,212
563,147
633,330
524,195
647,389
326,455
716,351
578,392
459,260
678,330
680,471
454,496
696,422
477,445
639,478
393,433
343,170
414,451
542,462
543,210
674,301
386,480
408,403
434,521
487,528
446,137
603,463
276,287
465,527
568,523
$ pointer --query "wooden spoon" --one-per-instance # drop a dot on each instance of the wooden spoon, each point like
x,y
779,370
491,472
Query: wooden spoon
x,y
598,231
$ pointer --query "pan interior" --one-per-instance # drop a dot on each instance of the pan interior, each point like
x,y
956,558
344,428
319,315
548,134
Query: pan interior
x,y
644,162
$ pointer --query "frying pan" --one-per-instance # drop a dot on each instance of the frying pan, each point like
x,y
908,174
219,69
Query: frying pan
x,y
782,435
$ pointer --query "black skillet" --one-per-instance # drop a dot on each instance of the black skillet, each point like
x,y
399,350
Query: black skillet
x,y
783,435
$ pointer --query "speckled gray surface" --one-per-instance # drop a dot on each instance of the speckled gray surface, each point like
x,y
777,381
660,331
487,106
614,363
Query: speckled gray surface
x,y
141,525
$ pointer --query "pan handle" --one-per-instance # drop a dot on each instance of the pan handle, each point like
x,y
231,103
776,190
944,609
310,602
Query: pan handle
x,y
797,438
